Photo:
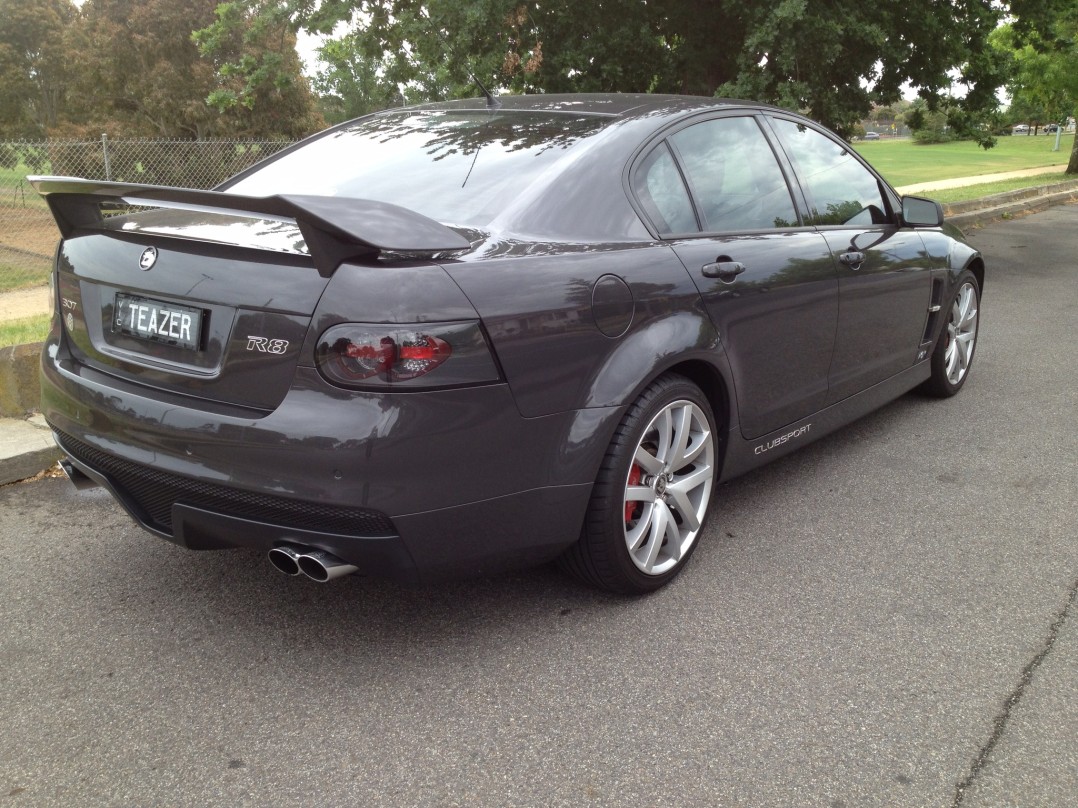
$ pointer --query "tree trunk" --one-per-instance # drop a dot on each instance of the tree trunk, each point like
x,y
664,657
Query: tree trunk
x,y
1072,166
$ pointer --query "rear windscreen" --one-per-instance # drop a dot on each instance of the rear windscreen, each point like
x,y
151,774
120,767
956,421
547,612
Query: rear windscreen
x,y
460,168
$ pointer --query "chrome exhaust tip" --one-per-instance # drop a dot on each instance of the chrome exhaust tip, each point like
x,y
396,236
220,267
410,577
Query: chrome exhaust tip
x,y
74,476
286,559
322,566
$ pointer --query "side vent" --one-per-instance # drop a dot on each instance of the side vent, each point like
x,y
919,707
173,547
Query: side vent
x,y
933,318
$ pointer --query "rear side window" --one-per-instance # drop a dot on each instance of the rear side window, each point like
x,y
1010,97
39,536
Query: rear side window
x,y
661,190
839,189
734,176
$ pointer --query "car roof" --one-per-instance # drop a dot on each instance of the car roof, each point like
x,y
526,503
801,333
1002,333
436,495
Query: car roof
x,y
620,105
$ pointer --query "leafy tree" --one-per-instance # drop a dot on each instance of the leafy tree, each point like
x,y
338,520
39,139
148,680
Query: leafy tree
x,y
1024,109
34,65
350,85
932,128
1042,47
832,59
141,74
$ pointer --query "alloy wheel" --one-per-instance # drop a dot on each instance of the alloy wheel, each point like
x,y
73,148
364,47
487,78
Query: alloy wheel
x,y
961,333
668,487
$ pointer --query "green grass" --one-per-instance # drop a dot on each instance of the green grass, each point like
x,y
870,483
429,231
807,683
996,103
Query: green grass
x,y
28,329
15,191
13,278
988,188
903,162
13,176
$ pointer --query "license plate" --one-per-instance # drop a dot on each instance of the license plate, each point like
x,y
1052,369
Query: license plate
x,y
157,321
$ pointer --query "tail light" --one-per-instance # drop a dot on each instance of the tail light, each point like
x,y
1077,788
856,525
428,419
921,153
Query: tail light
x,y
366,356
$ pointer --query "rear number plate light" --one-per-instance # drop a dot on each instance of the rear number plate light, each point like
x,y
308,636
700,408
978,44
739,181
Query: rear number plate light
x,y
157,321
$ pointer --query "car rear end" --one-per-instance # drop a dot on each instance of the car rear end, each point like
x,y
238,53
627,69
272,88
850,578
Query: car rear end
x,y
244,371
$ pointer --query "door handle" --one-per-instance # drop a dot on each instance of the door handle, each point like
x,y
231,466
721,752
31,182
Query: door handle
x,y
852,259
725,271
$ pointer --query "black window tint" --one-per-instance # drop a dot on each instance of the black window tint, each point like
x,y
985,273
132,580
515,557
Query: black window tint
x,y
734,175
839,189
457,167
662,192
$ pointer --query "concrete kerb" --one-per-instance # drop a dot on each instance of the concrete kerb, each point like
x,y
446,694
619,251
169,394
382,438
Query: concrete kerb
x,y
19,395
26,447
977,212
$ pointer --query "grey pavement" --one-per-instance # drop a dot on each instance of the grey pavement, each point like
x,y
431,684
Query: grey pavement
x,y
885,618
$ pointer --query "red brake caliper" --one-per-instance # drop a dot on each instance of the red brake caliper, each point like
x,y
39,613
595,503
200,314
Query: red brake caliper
x,y
635,474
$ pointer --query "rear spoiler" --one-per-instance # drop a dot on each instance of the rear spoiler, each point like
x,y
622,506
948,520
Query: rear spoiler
x,y
334,228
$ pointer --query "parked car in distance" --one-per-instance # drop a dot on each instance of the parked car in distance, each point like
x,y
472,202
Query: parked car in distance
x,y
1020,129
1051,128
872,136
457,338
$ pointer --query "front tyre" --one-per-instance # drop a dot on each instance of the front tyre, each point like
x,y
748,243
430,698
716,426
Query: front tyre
x,y
953,355
652,492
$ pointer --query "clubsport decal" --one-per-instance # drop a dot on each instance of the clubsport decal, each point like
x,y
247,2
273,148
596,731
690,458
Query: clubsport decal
x,y
781,439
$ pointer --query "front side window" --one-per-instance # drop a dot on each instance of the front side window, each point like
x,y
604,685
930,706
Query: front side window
x,y
840,191
734,176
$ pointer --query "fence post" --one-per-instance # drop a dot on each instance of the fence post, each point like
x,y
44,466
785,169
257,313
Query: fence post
x,y
105,150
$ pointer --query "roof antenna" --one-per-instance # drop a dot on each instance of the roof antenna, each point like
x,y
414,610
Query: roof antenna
x,y
493,104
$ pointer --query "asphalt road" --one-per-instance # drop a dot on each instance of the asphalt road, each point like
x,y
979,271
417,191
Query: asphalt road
x,y
886,618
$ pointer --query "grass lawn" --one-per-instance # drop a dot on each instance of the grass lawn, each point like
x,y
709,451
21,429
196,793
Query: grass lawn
x,y
16,192
988,188
903,162
13,278
29,329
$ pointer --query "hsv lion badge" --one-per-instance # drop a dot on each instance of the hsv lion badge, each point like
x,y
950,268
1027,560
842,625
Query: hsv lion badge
x,y
149,257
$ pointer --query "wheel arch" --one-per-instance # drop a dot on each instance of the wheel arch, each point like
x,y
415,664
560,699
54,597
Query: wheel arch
x,y
713,383
976,266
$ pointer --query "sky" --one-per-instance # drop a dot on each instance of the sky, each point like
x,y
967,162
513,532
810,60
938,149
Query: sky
x,y
307,46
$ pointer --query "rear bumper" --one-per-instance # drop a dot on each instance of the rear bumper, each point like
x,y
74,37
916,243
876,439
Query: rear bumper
x,y
475,539
416,487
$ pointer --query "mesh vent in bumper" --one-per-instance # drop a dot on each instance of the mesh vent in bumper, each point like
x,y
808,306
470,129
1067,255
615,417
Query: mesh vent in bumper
x,y
154,492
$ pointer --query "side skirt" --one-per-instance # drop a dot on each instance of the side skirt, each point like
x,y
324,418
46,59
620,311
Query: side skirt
x,y
745,455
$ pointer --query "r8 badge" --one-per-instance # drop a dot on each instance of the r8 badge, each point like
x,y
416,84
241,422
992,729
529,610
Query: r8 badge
x,y
266,345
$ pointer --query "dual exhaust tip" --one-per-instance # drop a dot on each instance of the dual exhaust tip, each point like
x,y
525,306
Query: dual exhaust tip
x,y
290,559
318,565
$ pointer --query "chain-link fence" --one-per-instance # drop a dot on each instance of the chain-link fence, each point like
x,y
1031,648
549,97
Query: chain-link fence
x,y
28,234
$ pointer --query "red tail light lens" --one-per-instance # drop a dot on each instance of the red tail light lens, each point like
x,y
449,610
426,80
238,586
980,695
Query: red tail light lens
x,y
365,356
420,355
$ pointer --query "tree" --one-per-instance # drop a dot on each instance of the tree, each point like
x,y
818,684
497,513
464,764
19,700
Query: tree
x,y
350,85
140,73
833,60
1042,48
34,65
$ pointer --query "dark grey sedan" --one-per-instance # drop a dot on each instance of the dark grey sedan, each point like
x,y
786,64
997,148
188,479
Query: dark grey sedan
x,y
456,338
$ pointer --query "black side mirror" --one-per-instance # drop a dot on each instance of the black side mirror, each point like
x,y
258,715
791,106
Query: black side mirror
x,y
920,212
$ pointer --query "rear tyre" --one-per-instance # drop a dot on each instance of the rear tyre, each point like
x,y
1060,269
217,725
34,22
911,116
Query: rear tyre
x,y
952,357
652,493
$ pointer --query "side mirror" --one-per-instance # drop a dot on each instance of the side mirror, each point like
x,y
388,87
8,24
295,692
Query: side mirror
x,y
920,212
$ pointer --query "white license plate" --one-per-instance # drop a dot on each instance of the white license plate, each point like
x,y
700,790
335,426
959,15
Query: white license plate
x,y
158,321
